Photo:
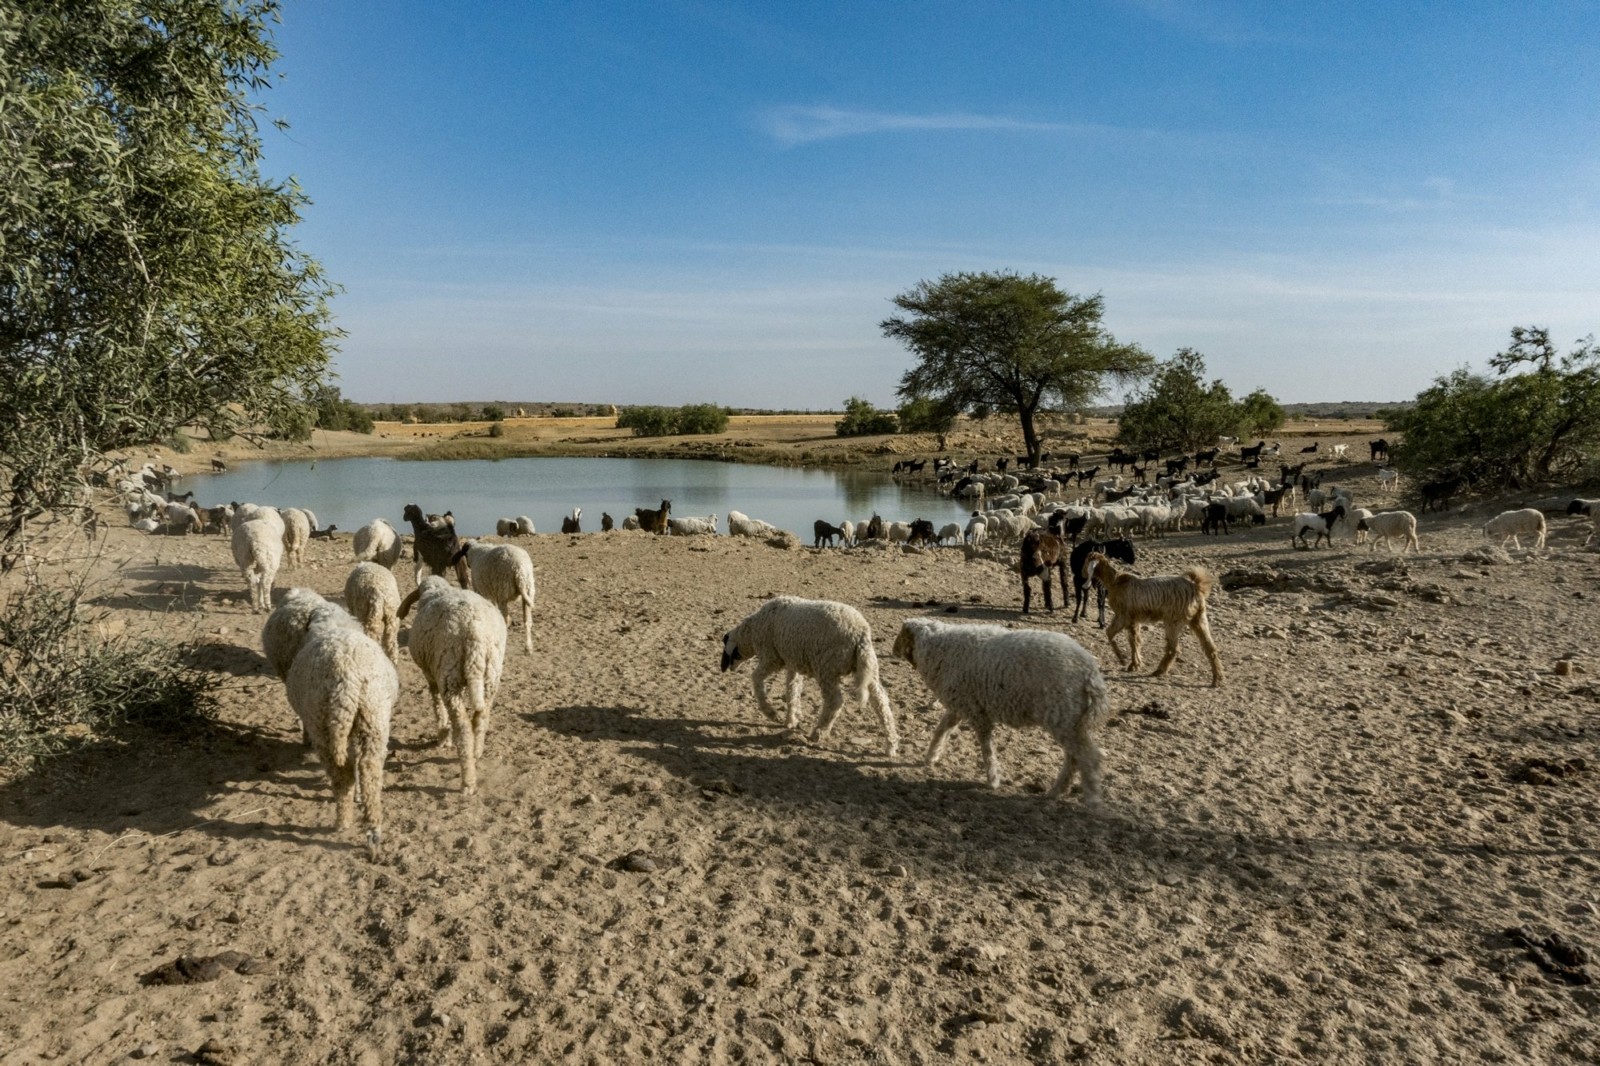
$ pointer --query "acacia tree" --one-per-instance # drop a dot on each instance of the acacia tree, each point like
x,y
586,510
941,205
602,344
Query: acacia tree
x,y
1004,342
1260,414
1177,409
147,278
1537,420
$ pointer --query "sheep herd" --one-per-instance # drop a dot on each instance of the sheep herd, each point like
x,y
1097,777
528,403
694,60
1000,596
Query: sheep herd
x,y
338,664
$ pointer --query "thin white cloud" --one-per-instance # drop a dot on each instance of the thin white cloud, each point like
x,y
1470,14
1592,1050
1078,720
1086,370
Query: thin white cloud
x,y
805,125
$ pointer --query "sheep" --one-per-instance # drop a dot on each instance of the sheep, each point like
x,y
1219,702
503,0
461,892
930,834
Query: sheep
x,y
1320,524
250,512
371,595
1174,600
377,542
1389,525
655,521
1388,480
1513,525
286,627
1592,509
181,517
572,523
691,527
847,533
1121,550
344,690
742,525
1042,551
977,529
258,551
820,639
505,527
503,575
297,529
899,532
950,533
631,522
459,642
324,534
824,534
989,675
434,545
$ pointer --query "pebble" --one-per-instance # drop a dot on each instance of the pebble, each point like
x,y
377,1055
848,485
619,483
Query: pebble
x,y
145,1051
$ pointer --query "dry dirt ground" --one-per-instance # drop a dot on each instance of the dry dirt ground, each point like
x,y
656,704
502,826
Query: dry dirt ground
x,y
1318,861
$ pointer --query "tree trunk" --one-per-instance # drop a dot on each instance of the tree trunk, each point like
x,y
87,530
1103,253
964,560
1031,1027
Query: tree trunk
x,y
1030,436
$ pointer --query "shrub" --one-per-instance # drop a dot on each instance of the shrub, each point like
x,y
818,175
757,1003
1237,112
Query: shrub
x,y
861,419
701,418
646,421
497,430
652,421
62,679
493,412
923,414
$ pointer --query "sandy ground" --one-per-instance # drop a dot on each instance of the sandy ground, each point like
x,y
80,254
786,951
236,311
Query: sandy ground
x,y
1319,861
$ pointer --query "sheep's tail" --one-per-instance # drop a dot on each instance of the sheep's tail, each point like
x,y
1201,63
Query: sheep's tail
x,y
1201,579
866,669
345,694
1096,707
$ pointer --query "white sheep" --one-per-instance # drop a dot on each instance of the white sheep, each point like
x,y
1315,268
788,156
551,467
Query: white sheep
x,y
899,532
1390,525
503,575
505,527
950,533
378,542
459,642
371,595
848,530
344,689
297,527
977,529
1513,525
989,675
258,551
820,639
689,527
524,526
284,633
742,525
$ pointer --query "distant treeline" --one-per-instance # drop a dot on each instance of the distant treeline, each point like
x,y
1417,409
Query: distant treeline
x,y
1340,409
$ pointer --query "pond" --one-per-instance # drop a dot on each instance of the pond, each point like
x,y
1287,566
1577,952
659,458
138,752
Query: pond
x,y
351,492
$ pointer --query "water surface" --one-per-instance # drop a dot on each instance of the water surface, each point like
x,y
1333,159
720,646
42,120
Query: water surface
x,y
351,492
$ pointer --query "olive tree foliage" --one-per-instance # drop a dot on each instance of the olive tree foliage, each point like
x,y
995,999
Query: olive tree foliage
x,y
147,277
1177,410
1007,343
1536,420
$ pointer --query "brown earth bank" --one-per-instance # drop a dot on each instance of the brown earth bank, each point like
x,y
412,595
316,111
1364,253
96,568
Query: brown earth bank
x,y
1374,843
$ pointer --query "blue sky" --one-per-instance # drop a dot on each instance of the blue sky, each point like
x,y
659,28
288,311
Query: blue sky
x,y
677,202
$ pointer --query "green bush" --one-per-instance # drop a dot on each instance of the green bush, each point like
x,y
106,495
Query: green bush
x,y
652,421
861,419
926,415
493,412
648,421
63,679
701,418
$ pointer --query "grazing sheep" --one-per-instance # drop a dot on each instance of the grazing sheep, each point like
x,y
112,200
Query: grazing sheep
x,y
371,595
525,525
503,575
1388,480
1174,600
632,522
377,542
344,690
258,551
459,642
693,527
820,639
1513,525
655,521
977,529
571,523
742,525
1390,525
989,675
434,545
297,529
950,533
505,527
847,533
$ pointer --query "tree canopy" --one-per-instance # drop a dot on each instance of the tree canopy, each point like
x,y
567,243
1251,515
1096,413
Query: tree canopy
x,y
1177,410
147,277
1537,420
1004,342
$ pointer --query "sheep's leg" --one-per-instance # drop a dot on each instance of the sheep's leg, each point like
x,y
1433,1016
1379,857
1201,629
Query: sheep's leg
x,y
372,750
987,756
1069,766
880,700
441,718
793,683
941,733
758,679
1202,631
465,736
344,784
832,703
527,626
1171,652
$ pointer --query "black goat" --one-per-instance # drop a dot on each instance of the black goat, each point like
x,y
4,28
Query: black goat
x,y
435,545
1120,550
1312,448
825,534
1380,450
922,532
1253,451
606,524
1216,515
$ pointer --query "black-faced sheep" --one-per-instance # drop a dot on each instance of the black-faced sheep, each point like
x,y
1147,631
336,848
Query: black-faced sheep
x,y
990,676
1173,600
820,639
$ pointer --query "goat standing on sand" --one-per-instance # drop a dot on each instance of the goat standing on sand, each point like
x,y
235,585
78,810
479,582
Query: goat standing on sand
x,y
1041,552
1174,600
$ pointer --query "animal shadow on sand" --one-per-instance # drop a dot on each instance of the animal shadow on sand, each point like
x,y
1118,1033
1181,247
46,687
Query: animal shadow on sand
x,y
161,586
947,818
155,782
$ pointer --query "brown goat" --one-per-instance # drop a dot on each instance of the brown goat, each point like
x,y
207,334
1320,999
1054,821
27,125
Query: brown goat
x,y
1040,552
654,521
1173,600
